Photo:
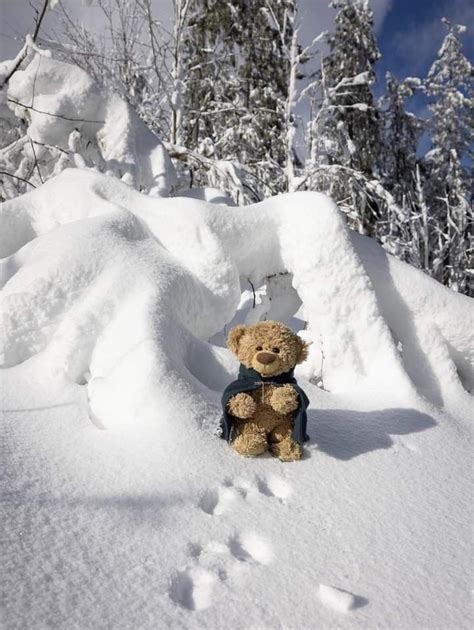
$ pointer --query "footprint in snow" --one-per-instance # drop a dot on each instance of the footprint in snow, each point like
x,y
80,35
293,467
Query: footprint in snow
x,y
211,565
192,588
274,486
251,547
220,500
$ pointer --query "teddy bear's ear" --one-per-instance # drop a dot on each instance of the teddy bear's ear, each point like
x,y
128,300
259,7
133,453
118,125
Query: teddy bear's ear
x,y
234,337
303,350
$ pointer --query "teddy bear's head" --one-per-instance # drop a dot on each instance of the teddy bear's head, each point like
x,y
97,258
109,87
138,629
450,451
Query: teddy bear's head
x,y
270,348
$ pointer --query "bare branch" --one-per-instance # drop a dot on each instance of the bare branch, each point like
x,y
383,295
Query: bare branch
x,y
39,111
17,177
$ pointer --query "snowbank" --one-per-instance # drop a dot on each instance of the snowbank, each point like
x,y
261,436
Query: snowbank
x,y
109,299
108,286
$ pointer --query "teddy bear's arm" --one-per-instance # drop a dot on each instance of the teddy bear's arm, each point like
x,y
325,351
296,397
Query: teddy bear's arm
x,y
242,406
284,399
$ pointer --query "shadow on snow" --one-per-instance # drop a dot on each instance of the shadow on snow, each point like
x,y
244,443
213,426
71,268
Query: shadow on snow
x,y
345,434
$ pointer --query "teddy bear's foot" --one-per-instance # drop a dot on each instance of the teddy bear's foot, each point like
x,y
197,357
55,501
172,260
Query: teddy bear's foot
x,y
287,450
250,444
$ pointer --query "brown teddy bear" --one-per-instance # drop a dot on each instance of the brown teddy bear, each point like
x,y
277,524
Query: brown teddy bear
x,y
265,408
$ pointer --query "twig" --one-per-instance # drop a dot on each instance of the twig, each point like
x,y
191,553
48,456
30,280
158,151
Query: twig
x,y
39,111
253,291
16,177
36,161
322,363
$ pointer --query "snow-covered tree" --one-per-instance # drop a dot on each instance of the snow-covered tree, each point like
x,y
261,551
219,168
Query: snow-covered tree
x,y
244,63
399,228
451,90
347,122
401,134
348,75
126,57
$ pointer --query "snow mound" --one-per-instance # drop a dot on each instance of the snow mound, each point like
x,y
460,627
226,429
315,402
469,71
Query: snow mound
x,y
116,305
119,291
70,116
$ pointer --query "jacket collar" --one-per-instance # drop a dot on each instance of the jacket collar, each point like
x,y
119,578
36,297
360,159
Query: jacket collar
x,y
250,374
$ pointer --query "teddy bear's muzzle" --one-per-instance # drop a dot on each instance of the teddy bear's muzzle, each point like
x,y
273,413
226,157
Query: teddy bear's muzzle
x,y
265,358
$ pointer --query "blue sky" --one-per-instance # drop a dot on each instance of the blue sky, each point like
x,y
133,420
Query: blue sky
x,y
410,37
412,32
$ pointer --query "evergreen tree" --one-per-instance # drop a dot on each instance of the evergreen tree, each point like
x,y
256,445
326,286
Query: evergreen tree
x,y
450,86
239,56
349,127
348,75
401,133
399,228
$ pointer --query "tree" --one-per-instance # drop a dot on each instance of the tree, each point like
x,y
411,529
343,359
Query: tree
x,y
347,122
402,229
244,61
449,85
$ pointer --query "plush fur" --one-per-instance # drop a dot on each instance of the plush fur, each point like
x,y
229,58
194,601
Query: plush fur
x,y
264,416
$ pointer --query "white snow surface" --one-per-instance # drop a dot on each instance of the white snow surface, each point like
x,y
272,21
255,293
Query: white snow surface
x,y
120,506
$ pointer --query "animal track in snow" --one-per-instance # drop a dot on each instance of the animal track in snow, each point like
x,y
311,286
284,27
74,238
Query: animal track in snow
x,y
251,547
274,486
214,563
219,500
211,565
192,588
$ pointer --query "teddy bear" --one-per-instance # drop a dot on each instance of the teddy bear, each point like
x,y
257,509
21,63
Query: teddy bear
x,y
265,409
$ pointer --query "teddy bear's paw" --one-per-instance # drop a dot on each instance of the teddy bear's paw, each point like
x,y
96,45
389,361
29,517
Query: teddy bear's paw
x,y
242,406
284,399
250,444
287,451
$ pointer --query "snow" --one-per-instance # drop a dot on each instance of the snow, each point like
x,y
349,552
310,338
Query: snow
x,y
121,507
67,111
336,598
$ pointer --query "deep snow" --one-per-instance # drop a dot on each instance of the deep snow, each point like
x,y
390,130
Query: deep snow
x,y
122,509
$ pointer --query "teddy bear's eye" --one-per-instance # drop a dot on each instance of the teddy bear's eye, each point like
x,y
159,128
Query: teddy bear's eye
x,y
258,348
276,350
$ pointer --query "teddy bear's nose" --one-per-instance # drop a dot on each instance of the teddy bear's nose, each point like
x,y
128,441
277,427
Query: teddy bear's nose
x,y
265,358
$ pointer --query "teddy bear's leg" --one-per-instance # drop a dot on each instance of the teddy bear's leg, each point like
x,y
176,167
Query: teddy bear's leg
x,y
283,445
250,441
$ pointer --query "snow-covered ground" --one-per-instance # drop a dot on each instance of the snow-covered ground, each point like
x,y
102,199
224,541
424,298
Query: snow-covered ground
x,y
120,506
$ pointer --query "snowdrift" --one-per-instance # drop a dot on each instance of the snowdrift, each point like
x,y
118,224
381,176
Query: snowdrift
x,y
110,288
115,307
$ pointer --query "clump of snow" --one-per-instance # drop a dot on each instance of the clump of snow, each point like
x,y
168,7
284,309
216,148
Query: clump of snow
x,y
72,122
336,598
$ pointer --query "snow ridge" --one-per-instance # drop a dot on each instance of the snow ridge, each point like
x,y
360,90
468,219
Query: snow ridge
x,y
107,286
